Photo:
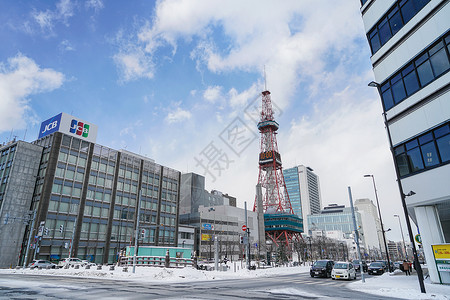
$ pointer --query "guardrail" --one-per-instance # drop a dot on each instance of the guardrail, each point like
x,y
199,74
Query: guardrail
x,y
156,261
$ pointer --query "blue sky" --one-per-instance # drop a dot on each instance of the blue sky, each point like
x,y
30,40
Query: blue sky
x,y
177,81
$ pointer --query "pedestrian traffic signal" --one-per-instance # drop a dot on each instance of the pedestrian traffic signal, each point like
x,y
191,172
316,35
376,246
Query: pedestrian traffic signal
x,y
61,228
143,233
241,241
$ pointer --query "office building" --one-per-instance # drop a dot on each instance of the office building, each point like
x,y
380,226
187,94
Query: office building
x,y
214,215
410,43
86,196
193,194
19,165
303,188
373,236
336,218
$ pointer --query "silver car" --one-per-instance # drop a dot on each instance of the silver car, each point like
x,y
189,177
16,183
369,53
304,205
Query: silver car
x,y
45,264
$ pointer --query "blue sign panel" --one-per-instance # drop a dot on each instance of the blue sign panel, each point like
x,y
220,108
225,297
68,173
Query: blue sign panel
x,y
207,226
49,126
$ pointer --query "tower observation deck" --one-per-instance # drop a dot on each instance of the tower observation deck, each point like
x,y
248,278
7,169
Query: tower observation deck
x,y
281,225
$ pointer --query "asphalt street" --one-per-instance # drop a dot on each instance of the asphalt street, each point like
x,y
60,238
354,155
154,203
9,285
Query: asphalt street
x,y
294,286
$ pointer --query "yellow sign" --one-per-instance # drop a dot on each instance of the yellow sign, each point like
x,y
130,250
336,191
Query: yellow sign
x,y
206,237
441,251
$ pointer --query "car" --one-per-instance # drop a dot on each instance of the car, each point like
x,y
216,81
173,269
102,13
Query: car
x,y
71,262
41,264
357,265
376,267
322,268
343,270
385,264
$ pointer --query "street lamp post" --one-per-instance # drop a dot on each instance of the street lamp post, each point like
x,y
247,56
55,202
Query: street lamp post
x,y
402,195
403,238
381,222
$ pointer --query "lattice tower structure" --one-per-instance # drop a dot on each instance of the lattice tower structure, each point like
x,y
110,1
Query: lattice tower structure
x,y
280,222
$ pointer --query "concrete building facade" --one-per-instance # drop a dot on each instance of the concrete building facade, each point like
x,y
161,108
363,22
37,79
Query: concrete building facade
x,y
410,43
19,166
373,236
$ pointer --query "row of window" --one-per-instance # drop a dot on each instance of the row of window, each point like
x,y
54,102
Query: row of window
x,y
420,71
8,150
426,151
391,22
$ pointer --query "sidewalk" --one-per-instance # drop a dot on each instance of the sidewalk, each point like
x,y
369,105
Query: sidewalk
x,y
397,284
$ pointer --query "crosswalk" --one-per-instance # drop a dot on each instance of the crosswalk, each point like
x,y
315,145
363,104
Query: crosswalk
x,y
313,281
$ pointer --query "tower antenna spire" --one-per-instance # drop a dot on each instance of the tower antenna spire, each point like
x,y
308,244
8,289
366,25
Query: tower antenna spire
x,y
265,79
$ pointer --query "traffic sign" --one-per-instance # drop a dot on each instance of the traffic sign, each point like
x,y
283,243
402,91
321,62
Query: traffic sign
x,y
418,238
244,228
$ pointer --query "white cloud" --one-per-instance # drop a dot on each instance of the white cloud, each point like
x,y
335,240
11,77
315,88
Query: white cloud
x,y
20,78
133,65
213,94
96,5
47,19
65,45
178,115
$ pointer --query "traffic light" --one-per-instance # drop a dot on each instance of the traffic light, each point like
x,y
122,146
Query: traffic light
x,y
45,231
241,240
61,228
143,233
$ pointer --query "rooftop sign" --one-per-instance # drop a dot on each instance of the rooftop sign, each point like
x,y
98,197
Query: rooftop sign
x,y
69,125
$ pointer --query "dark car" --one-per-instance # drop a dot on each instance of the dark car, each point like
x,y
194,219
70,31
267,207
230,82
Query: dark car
x,y
376,268
357,265
322,268
385,265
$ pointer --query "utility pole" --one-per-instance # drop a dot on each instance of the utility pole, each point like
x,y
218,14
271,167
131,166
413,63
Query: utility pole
x,y
136,235
29,239
248,237
356,234
73,236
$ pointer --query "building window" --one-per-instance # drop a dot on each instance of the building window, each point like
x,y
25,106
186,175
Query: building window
x,y
427,151
423,69
397,16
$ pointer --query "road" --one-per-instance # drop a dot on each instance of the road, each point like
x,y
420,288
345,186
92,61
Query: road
x,y
297,286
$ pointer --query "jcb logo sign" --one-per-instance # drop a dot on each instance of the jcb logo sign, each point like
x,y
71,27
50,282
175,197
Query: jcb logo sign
x,y
79,128
50,126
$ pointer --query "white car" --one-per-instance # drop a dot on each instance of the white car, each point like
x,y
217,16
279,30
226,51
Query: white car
x,y
71,262
343,270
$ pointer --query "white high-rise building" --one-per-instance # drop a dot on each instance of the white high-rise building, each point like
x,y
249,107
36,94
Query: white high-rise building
x,y
371,223
410,45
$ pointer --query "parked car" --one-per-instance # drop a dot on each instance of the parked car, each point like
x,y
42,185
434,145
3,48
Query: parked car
x,y
41,263
88,263
376,268
322,268
343,270
357,265
71,262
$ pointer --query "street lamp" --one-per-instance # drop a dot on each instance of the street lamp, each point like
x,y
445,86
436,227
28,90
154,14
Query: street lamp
x,y
310,248
403,238
402,195
381,221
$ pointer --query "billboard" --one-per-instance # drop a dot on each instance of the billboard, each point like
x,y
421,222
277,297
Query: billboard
x,y
69,125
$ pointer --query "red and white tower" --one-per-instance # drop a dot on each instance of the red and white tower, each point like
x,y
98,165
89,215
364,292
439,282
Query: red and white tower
x,y
280,222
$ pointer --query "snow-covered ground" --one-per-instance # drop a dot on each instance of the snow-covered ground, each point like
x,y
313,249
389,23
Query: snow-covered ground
x,y
395,284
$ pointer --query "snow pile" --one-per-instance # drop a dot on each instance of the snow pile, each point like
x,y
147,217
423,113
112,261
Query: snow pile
x,y
401,286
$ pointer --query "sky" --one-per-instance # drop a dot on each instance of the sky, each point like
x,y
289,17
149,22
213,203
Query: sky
x,y
180,81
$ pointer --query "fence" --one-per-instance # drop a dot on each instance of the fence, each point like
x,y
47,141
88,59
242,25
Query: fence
x,y
156,261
